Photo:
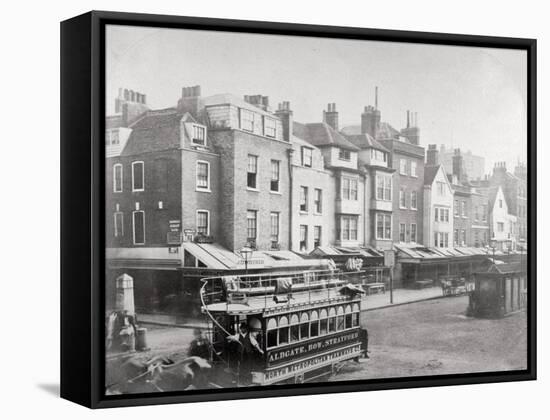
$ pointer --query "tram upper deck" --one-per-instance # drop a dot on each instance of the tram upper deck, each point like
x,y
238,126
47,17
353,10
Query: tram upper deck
x,y
276,293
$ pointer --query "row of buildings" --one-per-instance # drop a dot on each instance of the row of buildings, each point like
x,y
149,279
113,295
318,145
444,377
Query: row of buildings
x,y
227,171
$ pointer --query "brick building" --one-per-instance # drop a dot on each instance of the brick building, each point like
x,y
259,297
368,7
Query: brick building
x,y
148,157
340,158
254,171
313,189
406,182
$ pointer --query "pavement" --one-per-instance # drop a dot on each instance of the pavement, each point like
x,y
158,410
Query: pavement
x,y
400,297
370,302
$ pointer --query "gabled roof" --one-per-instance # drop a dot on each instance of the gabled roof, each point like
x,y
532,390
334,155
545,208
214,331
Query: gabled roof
x,y
321,134
430,172
154,131
365,141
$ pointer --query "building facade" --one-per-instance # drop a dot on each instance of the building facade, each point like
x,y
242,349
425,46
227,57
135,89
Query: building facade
x,y
438,208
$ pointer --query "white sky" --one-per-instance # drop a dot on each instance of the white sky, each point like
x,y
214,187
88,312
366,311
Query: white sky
x,y
472,98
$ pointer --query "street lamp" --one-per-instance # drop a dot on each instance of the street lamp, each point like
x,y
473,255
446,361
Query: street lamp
x,y
493,245
246,252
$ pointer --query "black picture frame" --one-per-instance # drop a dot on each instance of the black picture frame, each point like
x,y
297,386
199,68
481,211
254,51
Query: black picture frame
x,y
82,206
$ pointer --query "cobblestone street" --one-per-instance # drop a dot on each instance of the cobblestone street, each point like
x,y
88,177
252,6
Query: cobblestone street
x,y
435,338
432,337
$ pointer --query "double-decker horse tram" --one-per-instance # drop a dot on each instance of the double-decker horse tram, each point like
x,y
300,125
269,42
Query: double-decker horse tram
x,y
283,328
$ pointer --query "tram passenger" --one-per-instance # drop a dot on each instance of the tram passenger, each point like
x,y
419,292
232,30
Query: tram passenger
x,y
246,349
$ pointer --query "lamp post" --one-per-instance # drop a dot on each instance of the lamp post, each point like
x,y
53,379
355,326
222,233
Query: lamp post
x,y
492,245
246,253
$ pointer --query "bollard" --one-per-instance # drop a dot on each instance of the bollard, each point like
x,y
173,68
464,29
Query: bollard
x,y
141,339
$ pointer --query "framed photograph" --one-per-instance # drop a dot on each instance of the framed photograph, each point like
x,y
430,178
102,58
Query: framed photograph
x,y
254,209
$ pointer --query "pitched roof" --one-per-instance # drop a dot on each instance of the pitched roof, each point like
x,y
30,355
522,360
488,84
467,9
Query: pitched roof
x,y
430,172
365,141
386,131
155,131
351,130
113,121
321,134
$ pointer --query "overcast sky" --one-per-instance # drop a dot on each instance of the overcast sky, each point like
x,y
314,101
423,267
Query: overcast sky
x,y
472,98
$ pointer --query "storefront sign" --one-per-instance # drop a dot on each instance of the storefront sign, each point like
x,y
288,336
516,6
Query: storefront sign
x,y
317,346
175,225
313,363
389,257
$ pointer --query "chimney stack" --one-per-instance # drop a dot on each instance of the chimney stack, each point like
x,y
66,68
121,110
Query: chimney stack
x,y
259,101
190,100
411,132
331,116
458,166
432,155
130,104
284,113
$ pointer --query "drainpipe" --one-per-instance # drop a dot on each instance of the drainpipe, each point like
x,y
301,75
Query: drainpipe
x,y
291,191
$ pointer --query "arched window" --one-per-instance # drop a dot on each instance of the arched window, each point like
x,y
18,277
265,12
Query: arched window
x,y
283,330
272,333
323,323
304,326
348,323
356,314
332,319
314,324
340,321
294,328
117,177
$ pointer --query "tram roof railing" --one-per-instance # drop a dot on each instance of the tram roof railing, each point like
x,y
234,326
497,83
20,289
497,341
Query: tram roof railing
x,y
262,285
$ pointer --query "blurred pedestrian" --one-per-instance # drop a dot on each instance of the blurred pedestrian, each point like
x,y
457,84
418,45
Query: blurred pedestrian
x,y
200,346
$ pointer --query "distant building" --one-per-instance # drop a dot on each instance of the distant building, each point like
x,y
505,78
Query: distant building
x,y
503,229
514,188
473,165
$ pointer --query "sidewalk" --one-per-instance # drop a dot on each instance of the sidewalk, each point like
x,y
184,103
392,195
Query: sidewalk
x,y
370,302
400,297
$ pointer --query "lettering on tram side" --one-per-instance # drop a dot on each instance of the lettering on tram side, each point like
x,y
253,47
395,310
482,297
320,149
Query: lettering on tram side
x,y
282,355
311,363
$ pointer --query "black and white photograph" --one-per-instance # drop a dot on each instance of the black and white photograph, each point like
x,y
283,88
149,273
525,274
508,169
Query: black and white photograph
x,y
285,209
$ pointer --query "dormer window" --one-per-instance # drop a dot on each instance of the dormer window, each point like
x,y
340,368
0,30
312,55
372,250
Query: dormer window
x,y
199,135
344,155
111,138
378,155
